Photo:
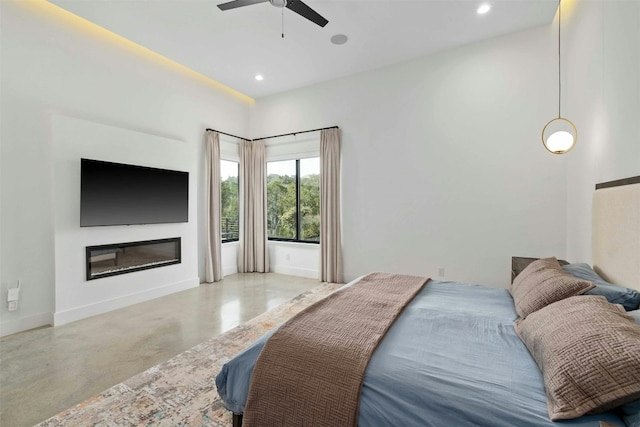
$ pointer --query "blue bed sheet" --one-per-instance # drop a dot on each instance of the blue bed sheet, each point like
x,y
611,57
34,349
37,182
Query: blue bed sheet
x,y
452,358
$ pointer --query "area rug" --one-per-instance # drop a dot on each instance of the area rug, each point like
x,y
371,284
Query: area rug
x,y
181,391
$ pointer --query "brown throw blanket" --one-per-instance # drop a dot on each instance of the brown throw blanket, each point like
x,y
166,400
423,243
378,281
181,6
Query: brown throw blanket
x,y
310,371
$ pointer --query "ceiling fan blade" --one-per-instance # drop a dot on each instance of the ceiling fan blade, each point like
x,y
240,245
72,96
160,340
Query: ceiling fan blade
x,y
239,3
303,10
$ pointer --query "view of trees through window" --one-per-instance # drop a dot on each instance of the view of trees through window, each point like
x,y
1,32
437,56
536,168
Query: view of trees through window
x,y
229,227
293,199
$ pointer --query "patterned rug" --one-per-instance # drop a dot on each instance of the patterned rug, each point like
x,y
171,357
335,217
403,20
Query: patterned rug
x,y
182,390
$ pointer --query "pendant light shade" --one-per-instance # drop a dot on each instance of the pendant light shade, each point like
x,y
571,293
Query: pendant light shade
x,y
559,135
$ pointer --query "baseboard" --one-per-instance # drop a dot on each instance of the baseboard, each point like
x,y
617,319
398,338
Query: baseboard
x,y
295,271
21,324
228,270
62,317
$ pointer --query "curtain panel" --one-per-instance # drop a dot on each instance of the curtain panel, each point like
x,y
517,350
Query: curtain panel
x,y
213,259
254,253
330,231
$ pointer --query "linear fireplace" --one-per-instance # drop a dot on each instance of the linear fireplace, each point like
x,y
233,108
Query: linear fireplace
x,y
121,258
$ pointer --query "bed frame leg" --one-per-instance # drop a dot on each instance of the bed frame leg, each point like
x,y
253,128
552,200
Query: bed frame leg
x,y
237,420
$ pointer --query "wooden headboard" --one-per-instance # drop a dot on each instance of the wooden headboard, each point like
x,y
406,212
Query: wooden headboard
x,y
616,231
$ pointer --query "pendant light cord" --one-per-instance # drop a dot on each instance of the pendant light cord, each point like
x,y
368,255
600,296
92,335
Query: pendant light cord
x,y
282,21
559,77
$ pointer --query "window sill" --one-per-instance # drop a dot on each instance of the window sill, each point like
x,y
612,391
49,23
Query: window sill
x,y
293,244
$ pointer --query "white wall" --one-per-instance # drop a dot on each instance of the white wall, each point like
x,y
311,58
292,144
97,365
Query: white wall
x,y
602,98
56,64
295,259
442,160
75,297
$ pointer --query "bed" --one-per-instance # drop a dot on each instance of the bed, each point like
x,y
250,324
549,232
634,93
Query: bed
x,y
454,357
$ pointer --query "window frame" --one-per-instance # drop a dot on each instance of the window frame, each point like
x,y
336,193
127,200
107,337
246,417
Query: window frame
x,y
237,239
298,222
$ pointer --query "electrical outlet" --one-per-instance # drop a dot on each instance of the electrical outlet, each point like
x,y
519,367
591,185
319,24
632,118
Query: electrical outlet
x,y
288,257
440,271
13,294
12,305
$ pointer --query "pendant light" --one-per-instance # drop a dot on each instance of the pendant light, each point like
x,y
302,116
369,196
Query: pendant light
x,y
559,135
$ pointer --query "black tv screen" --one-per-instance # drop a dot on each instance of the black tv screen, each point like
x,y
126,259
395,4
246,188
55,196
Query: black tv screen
x,y
120,194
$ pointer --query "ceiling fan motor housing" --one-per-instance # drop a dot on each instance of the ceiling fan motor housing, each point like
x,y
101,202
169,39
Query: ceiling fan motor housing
x,y
297,6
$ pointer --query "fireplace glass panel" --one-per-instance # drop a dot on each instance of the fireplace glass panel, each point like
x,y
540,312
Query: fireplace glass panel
x,y
121,258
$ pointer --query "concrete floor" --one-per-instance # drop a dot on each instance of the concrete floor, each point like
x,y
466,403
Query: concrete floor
x,y
49,369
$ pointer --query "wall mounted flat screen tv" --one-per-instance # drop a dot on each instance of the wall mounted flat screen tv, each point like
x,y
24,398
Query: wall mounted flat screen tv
x,y
120,194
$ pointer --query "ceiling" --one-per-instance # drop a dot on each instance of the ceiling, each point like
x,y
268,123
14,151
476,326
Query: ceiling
x,y
233,46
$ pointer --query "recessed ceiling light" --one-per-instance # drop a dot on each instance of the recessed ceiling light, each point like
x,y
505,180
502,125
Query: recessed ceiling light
x,y
483,8
259,77
339,39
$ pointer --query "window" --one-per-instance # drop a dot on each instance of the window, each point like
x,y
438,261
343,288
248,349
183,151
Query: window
x,y
293,200
229,217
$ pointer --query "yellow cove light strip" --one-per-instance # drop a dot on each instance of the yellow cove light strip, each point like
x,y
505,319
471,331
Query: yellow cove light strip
x,y
53,12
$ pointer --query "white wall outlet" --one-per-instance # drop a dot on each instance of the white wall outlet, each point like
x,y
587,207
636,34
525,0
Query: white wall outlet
x,y
12,305
13,294
440,271
288,257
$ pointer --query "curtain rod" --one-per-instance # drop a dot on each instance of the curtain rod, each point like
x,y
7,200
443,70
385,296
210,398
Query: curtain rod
x,y
295,133
275,136
228,134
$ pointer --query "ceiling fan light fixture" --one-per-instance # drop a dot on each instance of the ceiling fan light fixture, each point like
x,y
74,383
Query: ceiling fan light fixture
x,y
278,3
296,6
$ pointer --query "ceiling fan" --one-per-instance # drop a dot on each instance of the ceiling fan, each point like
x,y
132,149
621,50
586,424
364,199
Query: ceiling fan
x,y
295,5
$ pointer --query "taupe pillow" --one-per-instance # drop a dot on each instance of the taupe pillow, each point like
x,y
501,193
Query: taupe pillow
x,y
544,282
589,353
519,263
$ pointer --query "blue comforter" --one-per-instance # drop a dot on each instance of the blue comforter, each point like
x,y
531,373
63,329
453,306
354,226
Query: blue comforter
x,y
452,358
